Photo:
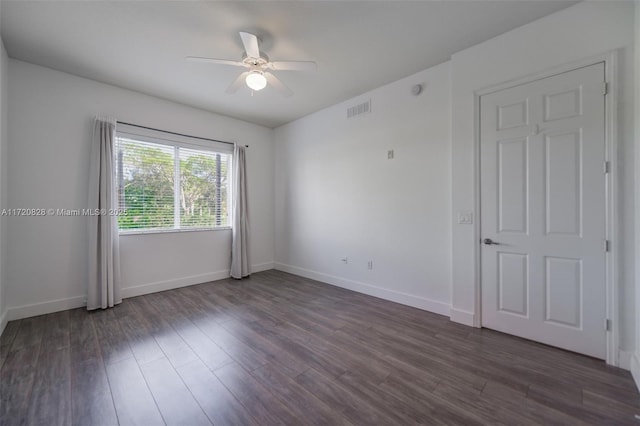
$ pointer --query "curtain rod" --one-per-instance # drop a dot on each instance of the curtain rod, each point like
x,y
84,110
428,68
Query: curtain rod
x,y
177,134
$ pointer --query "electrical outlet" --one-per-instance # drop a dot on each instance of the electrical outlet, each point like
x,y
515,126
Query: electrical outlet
x,y
344,260
370,264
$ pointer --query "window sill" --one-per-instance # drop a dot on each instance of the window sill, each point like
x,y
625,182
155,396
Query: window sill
x,y
172,231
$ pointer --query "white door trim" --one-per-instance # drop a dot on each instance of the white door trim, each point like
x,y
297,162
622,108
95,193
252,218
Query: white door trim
x,y
610,60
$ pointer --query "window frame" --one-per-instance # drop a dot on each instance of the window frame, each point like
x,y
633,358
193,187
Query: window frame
x,y
176,141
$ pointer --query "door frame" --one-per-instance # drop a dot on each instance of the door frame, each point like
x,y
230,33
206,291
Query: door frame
x,y
610,60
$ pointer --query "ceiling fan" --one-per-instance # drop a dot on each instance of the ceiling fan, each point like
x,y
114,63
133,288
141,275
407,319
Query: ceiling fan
x,y
259,66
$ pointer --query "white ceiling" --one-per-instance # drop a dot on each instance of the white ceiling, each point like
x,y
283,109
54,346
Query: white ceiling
x,y
358,45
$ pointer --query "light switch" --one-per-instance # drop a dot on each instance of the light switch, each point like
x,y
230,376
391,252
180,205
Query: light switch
x,y
465,218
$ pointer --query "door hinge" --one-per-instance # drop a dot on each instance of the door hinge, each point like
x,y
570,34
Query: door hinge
x,y
606,167
607,324
605,88
607,246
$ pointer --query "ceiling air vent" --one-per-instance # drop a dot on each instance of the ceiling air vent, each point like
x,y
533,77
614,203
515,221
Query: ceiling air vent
x,y
362,108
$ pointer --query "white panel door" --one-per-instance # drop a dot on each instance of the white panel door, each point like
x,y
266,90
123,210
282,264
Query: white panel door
x,y
543,210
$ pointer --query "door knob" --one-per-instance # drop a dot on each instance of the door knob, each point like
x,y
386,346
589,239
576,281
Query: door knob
x,y
489,241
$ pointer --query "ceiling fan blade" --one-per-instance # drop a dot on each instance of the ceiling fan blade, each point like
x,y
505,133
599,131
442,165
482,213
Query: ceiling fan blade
x,y
277,84
293,66
250,43
215,61
237,83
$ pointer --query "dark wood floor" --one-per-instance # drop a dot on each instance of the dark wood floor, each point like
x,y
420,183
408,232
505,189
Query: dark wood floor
x,y
279,349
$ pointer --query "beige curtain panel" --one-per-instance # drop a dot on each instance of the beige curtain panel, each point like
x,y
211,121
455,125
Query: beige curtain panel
x,y
104,255
240,234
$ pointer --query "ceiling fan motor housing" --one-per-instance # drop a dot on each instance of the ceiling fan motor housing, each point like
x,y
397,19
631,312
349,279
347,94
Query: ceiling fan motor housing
x,y
260,62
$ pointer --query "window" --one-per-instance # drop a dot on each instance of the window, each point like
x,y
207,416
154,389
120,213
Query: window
x,y
171,185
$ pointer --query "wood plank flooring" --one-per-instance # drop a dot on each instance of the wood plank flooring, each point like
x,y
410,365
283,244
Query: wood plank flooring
x,y
277,349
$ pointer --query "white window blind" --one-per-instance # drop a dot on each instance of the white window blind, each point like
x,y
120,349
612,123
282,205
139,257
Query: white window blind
x,y
204,198
171,187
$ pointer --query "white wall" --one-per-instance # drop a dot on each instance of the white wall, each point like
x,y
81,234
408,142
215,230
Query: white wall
x,y
576,33
338,195
635,361
51,118
4,61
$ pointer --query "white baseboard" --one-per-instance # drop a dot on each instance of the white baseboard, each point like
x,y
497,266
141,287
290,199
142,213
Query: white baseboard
x,y
635,368
371,290
51,306
4,319
464,317
266,266
624,359
157,286
140,290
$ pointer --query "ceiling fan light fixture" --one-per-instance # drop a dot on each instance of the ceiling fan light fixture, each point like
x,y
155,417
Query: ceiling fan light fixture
x,y
256,81
258,67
